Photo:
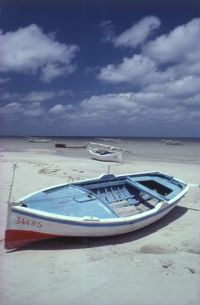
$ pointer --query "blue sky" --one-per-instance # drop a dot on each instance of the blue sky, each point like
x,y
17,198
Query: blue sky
x,y
100,68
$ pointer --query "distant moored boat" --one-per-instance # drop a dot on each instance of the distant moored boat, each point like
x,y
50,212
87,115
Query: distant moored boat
x,y
172,142
38,140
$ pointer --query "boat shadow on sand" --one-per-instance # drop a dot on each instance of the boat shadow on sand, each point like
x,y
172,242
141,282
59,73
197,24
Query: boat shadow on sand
x,y
64,243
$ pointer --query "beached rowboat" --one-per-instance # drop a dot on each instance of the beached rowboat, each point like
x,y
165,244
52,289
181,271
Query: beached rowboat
x,y
106,155
102,152
104,206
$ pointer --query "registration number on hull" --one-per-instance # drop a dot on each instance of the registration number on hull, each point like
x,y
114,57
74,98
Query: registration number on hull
x,y
28,222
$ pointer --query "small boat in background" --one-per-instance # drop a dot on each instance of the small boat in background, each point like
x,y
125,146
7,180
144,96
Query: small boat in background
x,y
38,140
172,142
113,140
102,152
104,206
60,145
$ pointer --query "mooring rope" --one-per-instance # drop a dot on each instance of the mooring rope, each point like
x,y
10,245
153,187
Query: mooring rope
x,y
13,179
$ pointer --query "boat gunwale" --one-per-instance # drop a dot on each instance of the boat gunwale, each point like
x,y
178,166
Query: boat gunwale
x,y
159,208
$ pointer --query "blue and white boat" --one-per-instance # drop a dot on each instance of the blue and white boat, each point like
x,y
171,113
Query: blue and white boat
x,y
104,206
106,153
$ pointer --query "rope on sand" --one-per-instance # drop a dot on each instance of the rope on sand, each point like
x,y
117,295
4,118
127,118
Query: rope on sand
x,y
13,179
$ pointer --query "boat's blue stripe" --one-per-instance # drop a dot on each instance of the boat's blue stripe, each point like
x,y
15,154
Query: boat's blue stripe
x,y
96,224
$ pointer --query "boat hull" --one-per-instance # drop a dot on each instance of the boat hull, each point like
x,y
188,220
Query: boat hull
x,y
27,227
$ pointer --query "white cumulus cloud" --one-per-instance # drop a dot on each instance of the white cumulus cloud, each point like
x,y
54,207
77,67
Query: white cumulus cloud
x,y
60,109
171,62
108,30
34,96
138,33
131,70
30,50
181,44
16,111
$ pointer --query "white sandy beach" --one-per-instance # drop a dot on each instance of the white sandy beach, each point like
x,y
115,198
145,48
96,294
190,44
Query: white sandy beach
x,y
158,265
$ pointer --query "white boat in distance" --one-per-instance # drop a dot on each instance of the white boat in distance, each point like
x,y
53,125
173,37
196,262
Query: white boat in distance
x,y
38,140
172,142
102,152
104,206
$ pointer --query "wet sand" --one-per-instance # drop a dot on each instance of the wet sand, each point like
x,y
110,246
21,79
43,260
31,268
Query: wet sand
x,y
159,264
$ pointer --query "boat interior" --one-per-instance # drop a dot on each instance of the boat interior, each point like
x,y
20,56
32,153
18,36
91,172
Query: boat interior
x,y
108,197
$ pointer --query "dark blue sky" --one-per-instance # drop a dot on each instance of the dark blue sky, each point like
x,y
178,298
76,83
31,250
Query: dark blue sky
x,y
102,68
